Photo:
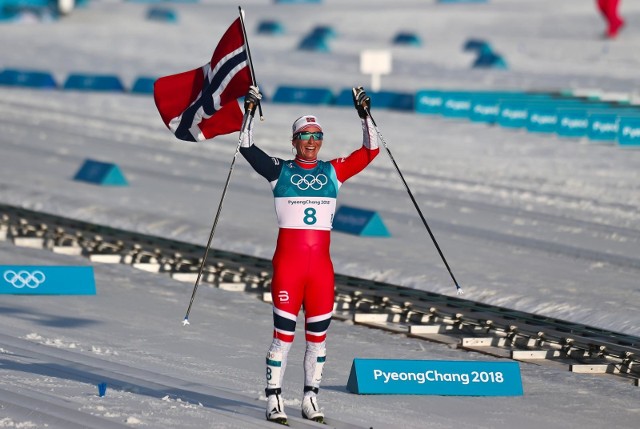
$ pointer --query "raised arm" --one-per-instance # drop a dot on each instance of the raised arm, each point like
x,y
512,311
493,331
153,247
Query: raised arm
x,y
359,159
266,166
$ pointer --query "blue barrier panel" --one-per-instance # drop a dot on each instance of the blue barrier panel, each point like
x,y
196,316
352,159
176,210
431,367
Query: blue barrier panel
x,y
100,173
162,14
456,104
46,280
484,109
407,39
143,85
433,101
90,82
543,118
429,102
8,15
513,114
270,27
27,3
603,127
490,60
324,31
629,132
359,222
315,44
477,45
435,377
572,122
302,95
380,100
485,105
26,78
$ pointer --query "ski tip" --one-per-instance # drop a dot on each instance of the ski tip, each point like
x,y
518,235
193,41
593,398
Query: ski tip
x,y
185,322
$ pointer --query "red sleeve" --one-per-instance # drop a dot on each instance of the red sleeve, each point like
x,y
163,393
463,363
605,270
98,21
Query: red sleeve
x,y
354,163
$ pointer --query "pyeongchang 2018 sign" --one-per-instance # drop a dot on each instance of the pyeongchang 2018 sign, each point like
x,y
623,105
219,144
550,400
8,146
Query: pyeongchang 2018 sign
x,y
431,377
46,280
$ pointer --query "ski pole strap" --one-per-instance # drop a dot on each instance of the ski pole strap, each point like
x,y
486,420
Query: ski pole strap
x,y
311,389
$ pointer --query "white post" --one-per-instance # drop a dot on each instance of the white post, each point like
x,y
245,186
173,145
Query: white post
x,y
376,63
376,82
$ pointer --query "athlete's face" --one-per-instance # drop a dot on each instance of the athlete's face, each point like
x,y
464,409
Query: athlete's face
x,y
308,149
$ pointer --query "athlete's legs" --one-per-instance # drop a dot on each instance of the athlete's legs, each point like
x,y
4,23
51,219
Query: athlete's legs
x,y
302,272
609,9
318,307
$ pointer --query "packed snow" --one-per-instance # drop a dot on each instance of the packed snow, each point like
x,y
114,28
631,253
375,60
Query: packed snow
x,y
533,222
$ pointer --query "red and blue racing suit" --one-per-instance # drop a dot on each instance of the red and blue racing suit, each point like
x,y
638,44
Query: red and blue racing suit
x,y
305,201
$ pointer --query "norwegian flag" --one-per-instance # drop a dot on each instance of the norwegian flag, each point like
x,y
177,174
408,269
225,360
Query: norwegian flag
x,y
200,104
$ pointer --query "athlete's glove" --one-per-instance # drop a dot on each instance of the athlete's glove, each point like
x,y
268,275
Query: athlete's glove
x,y
252,99
361,101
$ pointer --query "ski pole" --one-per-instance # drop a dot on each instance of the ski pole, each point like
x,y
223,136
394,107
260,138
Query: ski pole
x,y
245,120
459,290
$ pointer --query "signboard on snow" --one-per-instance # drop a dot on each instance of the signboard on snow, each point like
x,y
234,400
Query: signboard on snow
x,y
46,280
433,377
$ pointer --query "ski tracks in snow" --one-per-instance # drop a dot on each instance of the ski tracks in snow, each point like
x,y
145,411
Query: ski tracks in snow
x,y
64,390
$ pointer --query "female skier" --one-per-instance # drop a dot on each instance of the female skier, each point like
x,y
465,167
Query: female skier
x,y
305,191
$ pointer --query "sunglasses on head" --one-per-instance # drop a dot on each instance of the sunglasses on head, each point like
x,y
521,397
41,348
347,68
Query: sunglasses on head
x,y
306,135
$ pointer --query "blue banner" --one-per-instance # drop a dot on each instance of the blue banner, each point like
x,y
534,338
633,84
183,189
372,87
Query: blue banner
x,y
430,377
603,127
429,102
542,118
485,110
629,132
46,280
572,122
513,114
456,105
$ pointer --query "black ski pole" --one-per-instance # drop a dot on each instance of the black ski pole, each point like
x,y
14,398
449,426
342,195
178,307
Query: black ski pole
x,y
245,121
459,290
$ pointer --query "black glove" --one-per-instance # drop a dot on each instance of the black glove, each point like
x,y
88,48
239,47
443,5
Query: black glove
x,y
361,101
252,99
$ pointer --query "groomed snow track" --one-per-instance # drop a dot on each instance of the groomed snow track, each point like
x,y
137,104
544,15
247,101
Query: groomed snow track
x,y
461,323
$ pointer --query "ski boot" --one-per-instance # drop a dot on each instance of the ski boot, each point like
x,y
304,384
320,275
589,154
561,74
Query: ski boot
x,y
275,407
311,410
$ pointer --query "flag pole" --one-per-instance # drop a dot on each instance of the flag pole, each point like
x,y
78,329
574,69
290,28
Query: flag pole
x,y
245,122
246,45
248,116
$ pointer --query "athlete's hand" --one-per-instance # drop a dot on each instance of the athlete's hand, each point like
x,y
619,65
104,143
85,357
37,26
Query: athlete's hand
x,y
361,101
252,99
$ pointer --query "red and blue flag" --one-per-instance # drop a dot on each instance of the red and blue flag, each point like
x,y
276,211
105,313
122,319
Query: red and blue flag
x,y
203,103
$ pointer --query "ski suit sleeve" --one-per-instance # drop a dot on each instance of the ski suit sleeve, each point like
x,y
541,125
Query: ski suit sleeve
x,y
263,164
359,159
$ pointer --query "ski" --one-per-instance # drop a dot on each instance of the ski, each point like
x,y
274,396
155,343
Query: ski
x,y
280,421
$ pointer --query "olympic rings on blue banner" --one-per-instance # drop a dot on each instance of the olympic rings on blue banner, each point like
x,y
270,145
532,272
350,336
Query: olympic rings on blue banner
x,y
24,278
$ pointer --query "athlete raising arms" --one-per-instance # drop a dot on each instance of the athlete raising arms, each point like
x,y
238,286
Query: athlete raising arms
x,y
305,191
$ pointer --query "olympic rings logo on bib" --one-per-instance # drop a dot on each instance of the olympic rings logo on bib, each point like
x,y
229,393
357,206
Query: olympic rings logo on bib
x,y
309,181
24,278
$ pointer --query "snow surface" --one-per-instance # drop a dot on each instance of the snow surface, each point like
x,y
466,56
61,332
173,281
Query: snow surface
x,y
536,223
